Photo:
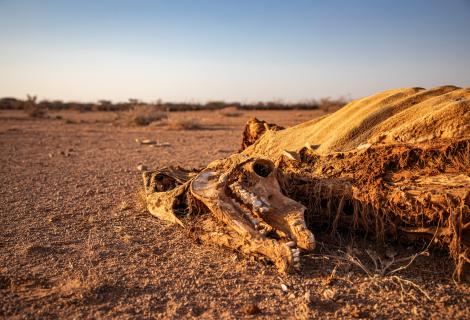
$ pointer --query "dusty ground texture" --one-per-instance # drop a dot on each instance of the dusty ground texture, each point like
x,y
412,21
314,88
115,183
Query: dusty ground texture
x,y
75,243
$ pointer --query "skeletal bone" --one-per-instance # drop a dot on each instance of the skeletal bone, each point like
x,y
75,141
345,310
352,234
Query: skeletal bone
x,y
242,216
263,210
291,244
291,155
222,178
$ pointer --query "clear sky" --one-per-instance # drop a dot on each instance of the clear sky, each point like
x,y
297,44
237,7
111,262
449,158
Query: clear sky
x,y
244,50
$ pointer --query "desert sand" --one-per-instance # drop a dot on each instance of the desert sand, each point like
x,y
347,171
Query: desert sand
x,y
76,242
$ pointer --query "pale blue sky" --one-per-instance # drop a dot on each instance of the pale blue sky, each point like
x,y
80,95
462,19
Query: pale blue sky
x,y
244,50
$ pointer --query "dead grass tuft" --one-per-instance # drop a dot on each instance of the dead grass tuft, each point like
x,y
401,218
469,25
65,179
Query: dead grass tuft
x,y
35,111
381,273
32,108
183,124
141,116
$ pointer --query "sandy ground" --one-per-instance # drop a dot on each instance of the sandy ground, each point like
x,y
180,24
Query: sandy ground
x,y
74,243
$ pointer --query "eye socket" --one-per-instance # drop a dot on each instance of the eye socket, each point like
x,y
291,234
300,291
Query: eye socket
x,y
263,168
164,183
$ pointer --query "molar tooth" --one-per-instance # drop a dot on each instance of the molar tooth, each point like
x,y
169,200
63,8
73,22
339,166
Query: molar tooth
x,y
263,209
296,259
297,223
290,244
296,254
257,203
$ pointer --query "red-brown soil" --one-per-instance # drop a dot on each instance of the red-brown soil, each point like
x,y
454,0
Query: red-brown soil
x,y
75,243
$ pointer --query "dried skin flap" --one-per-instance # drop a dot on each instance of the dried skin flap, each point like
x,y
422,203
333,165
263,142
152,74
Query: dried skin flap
x,y
166,191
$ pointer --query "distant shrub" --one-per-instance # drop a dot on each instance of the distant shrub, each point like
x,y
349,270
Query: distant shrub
x,y
279,105
11,104
33,109
215,105
330,105
232,114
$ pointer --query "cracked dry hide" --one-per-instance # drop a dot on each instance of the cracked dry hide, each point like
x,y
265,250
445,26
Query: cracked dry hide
x,y
254,129
395,164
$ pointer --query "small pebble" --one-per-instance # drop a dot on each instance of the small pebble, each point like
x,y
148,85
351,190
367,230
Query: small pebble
x,y
141,167
163,144
148,141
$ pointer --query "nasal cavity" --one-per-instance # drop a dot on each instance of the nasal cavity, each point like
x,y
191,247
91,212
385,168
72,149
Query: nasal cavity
x,y
263,168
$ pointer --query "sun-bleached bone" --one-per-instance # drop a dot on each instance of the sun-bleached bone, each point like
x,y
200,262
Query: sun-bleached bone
x,y
242,206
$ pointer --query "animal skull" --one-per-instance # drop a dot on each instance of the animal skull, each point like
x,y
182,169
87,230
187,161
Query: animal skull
x,y
248,200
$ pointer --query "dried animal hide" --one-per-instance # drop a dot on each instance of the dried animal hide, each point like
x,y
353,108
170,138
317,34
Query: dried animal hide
x,y
254,129
390,191
399,166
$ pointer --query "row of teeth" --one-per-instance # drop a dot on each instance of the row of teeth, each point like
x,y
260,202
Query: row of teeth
x,y
262,227
295,254
249,198
254,220
259,205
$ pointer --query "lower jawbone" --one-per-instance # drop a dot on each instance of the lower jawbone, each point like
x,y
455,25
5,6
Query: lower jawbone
x,y
249,201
